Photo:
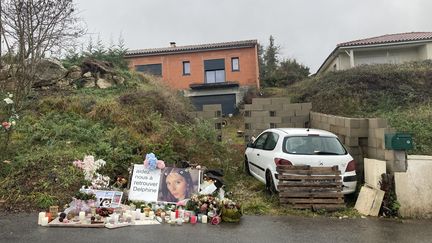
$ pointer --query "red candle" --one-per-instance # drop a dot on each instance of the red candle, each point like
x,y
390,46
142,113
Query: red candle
x,y
177,213
193,219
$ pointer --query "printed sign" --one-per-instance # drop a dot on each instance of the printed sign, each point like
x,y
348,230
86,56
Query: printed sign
x,y
166,185
145,184
108,199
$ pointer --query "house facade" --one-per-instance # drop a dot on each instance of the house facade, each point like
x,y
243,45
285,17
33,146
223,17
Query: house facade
x,y
218,73
392,49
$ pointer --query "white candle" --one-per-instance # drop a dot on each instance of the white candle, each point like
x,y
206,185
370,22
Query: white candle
x,y
172,215
41,216
138,214
44,221
204,219
116,218
151,214
82,215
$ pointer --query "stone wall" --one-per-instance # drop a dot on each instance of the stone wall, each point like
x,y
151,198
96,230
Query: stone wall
x,y
265,113
212,113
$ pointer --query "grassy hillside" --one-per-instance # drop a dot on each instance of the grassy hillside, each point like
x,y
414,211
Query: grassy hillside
x,y
118,125
400,93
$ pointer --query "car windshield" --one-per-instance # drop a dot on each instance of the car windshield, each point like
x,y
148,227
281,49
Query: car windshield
x,y
313,145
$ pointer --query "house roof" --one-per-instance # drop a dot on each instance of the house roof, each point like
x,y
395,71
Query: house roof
x,y
192,48
379,40
391,38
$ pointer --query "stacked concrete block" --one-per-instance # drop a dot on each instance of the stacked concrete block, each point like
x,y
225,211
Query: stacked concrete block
x,y
266,113
212,113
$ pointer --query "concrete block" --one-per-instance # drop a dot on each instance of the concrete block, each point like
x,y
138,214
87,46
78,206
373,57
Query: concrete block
x,y
357,132
256,107
281,100
414,188
325,119
299,124
306,106
372,142
215,107
373,169
286,125
332,120
206,114
261,126
286,119
372,153
354,150
380,154
363,142
284,113
389,155
364,123
340,121
352,122
292,107
247,107
377,123
273,107
257,119
351,141
272,119
369,201
343,130
248,119
259,114
261,101
333,128
302,119
302,113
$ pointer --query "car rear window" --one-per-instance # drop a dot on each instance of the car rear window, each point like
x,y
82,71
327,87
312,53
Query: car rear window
x,y
313,145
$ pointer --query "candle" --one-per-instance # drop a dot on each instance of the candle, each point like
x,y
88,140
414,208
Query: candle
x,y
193,219
176,213
41,216
151,214
200,217
93,211
44,221
204,219
173,215
82,215
138,214
179,221
167,219
147,211
162,214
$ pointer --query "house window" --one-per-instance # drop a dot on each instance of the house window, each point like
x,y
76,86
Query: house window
x,y
154,69
235,66
214,70
186,68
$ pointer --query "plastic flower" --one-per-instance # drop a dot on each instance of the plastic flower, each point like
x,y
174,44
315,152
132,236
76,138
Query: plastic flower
x,y
216,220
6,125
150,161
160,164
8,101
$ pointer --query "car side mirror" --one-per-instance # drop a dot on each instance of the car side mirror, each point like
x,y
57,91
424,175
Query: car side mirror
x,y
250,144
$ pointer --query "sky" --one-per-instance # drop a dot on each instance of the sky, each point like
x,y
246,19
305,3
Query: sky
x,y
307,30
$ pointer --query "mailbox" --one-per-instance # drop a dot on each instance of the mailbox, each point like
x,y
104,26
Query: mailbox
x,y
398,141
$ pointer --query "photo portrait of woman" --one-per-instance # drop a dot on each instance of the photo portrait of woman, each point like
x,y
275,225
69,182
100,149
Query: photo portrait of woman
x,y
177,184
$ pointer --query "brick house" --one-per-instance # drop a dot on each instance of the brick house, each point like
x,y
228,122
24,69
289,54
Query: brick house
x,y
217,73
392,48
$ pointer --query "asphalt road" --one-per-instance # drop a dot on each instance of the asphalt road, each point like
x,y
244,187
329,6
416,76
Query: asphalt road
x,y
24,228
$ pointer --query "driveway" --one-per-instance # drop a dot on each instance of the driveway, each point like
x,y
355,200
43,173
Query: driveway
x,y
24,228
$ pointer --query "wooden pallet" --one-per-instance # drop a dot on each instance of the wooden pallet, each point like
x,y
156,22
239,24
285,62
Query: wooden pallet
x,y
306,187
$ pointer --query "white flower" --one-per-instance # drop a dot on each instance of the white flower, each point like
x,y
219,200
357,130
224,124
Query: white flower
x,y
10,95
8,101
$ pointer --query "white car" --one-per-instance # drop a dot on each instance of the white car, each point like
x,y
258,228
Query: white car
x,y
298,146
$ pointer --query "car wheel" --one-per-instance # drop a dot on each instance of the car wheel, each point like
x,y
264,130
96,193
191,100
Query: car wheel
x,y
246,166
270,185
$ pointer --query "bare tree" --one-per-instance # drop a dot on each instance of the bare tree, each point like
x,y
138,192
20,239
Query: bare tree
x,y
34,29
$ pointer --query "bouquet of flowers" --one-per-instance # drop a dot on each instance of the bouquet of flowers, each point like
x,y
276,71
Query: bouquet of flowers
x,y
203,204
89,166
231,211
152,163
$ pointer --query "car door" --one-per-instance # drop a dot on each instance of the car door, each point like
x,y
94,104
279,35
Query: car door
x,y
255,156
267,154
